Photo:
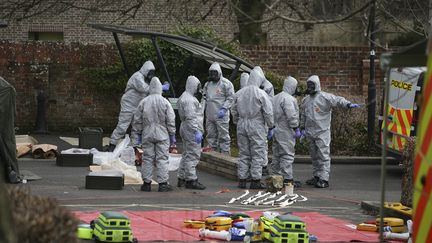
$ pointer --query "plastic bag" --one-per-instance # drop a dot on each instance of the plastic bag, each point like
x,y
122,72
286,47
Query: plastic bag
x,y
101,157
128,155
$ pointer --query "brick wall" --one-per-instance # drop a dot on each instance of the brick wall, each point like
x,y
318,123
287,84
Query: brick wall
x,y
56,69
344,70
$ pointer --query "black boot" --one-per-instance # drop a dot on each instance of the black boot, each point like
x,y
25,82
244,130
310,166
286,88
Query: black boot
x,y
164,187
321,184
111,147
312,181
146,187
195,184
242,184
256,184
181,182
296,184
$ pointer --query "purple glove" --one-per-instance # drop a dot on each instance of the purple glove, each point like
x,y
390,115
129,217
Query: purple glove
x,y
198,136
270,134
353,106
221,113
165,86
298,133
172,139
303,132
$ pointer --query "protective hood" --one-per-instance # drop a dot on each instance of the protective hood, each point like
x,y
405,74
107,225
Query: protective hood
x,y
290,85
259,69
216,66
243,80
146,67
155,86
256,78
315,79
192,83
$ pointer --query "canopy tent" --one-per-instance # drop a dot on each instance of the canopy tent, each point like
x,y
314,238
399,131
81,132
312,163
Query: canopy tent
x,y
9,163
209,52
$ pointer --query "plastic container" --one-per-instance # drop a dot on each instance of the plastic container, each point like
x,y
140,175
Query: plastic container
x,y
289,189
90,137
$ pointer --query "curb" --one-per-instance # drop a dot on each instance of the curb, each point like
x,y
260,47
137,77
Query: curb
x,y
373,208
305,159
226,166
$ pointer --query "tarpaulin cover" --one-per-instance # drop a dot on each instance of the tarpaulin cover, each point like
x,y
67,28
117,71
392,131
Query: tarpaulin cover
x,y
8,160
168,226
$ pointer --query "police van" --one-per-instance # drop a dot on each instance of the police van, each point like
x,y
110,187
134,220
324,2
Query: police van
x,y
405,86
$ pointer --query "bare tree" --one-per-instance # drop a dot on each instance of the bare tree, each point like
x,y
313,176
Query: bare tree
x,y
396,16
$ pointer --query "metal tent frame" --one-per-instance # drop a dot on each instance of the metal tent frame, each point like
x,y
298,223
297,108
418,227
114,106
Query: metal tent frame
x,y
209,52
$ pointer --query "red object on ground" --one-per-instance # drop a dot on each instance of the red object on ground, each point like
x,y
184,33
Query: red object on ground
x,y
207,149
168,225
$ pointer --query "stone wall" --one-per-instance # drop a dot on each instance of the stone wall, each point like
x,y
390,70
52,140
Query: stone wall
x,y
56,69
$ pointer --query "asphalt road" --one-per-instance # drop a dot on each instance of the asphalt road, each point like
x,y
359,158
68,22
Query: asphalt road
x,y
349,185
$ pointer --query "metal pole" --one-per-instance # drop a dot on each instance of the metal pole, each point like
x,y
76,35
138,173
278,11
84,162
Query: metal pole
x,y
384,152
371,106
161,61
121,54
235,71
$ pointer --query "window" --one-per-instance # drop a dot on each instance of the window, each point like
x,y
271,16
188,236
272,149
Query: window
x,y
45,36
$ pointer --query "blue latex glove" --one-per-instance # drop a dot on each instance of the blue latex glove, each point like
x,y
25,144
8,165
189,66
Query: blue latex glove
x,y
270,134
353,106
139,142
165,86
172,139
303,132
221,113
198,136
298,133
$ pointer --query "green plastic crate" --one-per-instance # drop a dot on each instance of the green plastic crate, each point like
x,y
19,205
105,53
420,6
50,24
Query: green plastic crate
x,y
90,137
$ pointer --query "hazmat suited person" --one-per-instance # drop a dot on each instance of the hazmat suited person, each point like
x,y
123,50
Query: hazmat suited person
x,y
286,118
269,89
191,115
253,113
265,84
244,77
218,94
154,122
315,121
137,88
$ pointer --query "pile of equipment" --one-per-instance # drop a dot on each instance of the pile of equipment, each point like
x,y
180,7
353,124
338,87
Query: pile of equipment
x,y
271,226
108,227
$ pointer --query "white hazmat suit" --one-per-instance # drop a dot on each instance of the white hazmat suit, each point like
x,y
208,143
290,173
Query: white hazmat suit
x,y
218,95
154,121
191,129
286,118
315,119
136,90
253,113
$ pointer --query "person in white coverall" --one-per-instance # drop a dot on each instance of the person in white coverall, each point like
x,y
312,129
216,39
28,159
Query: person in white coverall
x,y
315,121
218,94
286,118
269,89
191,130
137,88
253,114
154,122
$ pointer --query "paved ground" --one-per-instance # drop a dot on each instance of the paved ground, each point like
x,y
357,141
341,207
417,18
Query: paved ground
x,y
349,185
